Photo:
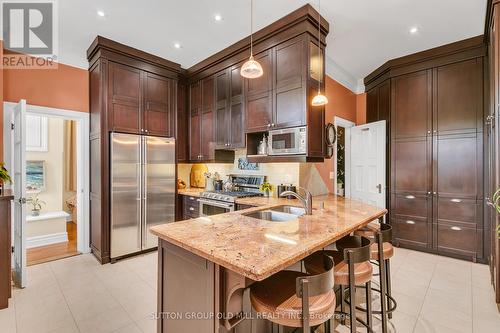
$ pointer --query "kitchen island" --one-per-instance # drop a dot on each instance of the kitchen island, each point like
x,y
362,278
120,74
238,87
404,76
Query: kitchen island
x,y
206,265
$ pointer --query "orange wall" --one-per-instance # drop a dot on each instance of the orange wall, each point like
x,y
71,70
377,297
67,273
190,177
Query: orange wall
x,y
343,103
66,87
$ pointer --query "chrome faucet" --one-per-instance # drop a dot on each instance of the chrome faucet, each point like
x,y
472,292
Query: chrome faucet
x,y
306,200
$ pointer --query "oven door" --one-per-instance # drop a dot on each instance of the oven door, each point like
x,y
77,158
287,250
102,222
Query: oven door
x,y
212,207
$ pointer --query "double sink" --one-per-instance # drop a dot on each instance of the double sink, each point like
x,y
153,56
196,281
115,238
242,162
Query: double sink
x,y
283,213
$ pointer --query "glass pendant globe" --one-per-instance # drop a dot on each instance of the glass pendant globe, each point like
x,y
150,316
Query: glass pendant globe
x,y
319,100
251,69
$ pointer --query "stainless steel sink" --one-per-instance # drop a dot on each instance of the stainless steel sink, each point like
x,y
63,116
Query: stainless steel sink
x,y
277,214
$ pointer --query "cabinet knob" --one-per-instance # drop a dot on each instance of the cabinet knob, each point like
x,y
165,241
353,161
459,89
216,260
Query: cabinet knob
x,y
429,193
272,125
146,131
428,132
435,193
435,131
268,125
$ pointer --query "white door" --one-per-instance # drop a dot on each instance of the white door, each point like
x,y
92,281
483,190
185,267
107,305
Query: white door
x,y
20,194
368,149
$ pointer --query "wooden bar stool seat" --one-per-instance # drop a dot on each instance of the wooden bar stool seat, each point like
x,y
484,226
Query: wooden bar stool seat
x,y
296,299
362,271
388,249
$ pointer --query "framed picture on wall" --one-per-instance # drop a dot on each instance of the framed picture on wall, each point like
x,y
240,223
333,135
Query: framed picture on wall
x,y
35,176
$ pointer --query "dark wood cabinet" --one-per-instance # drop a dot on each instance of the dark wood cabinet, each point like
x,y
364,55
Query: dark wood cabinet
x,y
230,127
491,145
289,84
195,121
436,147
5,248
125,87
130,92
207,126
191,207
259,96
159,96
182,124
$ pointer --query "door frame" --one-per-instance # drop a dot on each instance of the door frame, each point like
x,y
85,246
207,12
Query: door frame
x,y
347,124
82,157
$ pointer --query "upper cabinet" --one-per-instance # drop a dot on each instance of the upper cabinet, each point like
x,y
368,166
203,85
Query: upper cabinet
x,y
291,65
159,102
140,102
259,96
124,98
201,129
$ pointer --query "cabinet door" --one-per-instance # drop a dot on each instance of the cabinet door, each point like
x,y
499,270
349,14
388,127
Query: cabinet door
x,y
258,96
182,124
412,171
372,105
158,112
207,118
290,71
457,167
458,92
125,93
237,107
411,105
222,115
195,121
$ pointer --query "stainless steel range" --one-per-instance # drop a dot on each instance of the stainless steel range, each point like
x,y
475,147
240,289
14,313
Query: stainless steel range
x,y
219,202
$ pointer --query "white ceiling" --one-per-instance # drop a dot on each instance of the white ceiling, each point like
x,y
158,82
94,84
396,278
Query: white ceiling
x,y
363,33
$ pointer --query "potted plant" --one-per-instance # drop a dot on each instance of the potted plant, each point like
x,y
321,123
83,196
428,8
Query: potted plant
x,y
4,177
266,188
37,205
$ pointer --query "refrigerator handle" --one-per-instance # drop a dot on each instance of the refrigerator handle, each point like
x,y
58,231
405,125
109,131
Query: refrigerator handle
x,y
144,190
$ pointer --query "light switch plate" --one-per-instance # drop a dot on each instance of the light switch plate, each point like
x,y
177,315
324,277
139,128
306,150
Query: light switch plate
x,y
331,175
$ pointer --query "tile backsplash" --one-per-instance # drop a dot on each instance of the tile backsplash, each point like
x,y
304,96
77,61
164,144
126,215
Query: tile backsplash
x,y
303,174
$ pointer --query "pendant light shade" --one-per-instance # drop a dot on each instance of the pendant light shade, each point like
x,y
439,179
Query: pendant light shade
x,y
251,69
319,99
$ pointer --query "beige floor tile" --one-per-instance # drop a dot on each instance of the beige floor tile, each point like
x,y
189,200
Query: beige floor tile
x,y
437,313
105,322
8,319
131,328
85,306
424,325
147,325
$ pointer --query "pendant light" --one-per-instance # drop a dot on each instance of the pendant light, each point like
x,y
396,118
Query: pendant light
x,y
251,69
319,99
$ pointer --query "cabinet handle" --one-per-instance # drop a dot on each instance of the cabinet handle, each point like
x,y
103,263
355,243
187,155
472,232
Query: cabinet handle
x,y
191,198
456,200
191,208
435,193
410,222
273,125
456,228
410,197
435,131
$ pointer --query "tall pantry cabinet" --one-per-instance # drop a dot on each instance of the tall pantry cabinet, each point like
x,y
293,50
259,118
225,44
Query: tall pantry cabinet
x,y
436,148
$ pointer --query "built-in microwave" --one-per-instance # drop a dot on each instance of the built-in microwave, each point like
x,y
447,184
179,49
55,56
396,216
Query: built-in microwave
x,y
288,141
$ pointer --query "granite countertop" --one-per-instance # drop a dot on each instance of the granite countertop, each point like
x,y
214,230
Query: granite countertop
x,y
256,248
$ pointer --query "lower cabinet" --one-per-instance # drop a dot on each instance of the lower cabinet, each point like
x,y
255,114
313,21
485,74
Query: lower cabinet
x,y
190,207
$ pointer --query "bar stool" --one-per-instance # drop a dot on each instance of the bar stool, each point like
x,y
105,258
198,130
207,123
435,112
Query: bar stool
x,y
296,299
381,251
352,268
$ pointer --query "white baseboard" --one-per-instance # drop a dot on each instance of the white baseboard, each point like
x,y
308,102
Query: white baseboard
x,y
36,241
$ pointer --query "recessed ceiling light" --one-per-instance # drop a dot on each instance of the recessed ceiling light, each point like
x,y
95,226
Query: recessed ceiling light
x,y
177,45
413,30
101,13
218,17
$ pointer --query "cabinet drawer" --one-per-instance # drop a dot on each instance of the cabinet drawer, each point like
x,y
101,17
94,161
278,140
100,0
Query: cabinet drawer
x,y
410,205
457,210
412,232
191,207
459,239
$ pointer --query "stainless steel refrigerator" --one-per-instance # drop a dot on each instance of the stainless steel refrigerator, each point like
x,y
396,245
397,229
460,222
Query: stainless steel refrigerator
x,y
142,190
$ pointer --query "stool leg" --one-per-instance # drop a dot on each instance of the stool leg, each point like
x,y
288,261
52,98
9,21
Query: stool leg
x,y
388,279
369,318
331,325
342,310
352,297
383,290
